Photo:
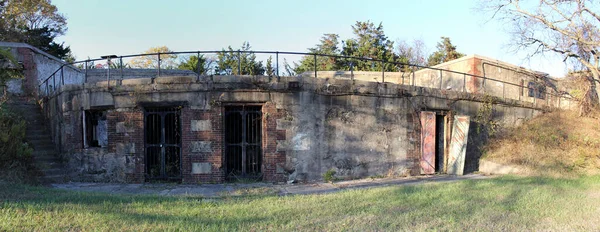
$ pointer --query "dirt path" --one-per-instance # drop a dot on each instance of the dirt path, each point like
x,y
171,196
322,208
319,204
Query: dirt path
x,y
233,189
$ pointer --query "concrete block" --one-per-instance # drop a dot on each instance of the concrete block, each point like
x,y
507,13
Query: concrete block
x,y
201,146
282,145
201,168
122,127
201,125
125,148
137,81
284,123
175,80
279,168
101,99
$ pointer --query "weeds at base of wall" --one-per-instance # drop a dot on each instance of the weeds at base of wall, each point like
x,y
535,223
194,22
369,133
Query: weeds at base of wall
x,y
329,176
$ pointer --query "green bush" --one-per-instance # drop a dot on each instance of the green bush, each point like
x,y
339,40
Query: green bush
x,y
329,175
14,151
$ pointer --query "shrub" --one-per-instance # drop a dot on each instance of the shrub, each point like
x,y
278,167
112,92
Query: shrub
x,y
15,153
329,175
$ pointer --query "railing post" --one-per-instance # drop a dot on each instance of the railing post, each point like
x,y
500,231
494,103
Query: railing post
x,y
53,82
158,65
85,75
464,82
47,90
121,67
315,56
239,63
62,75
413,76
440,79
382,72
402,71
351,70
108,73
277,66
198,67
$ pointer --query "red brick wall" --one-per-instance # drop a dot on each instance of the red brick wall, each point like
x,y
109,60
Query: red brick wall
x,y
215,136
271,157
30,82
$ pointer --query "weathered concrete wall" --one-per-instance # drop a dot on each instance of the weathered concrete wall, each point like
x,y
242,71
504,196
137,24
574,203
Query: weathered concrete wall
x,y
37,66
356,128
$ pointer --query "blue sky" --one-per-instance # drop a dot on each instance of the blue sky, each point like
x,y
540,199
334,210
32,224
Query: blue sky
x,y
123,27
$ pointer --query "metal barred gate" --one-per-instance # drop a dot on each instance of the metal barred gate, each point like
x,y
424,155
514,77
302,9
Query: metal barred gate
x,y
162,143
243,141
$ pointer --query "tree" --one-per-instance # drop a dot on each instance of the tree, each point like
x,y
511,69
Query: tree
x,y
369,42
43,38
446,52
36,22
269,67
567,28
328,46
229,61
413,53
167,61
194,63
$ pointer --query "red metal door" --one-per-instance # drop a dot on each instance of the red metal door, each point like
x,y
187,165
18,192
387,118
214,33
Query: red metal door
x,y
427,142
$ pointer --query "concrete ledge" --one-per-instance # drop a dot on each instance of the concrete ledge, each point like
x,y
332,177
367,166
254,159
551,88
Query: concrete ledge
x,y
103,84
175,80
138,81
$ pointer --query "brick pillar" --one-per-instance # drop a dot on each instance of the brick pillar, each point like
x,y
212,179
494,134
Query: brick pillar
x,y
202,145
273,160
30,82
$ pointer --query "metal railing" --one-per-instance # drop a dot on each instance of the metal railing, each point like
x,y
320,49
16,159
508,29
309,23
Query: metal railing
x,y
51,88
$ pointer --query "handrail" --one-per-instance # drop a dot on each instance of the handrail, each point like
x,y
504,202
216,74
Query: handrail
x,y
277,53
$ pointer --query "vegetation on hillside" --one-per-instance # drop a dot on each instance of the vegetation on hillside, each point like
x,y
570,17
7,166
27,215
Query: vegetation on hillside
x,y
557,143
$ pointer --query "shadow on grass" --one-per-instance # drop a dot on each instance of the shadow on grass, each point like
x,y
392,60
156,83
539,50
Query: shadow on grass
x,y
433,206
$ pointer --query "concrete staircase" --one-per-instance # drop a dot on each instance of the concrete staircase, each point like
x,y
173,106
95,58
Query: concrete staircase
x,y
45,155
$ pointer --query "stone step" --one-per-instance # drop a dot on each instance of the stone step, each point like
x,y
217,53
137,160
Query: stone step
x,y
45,156
54,171
30,136
55,178
40,142
49,165
43,147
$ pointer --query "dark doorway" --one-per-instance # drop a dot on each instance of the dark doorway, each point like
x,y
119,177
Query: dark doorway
x,y
243,141
440,126
162,128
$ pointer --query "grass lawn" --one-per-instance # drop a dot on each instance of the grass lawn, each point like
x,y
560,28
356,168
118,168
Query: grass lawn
x,y
504,203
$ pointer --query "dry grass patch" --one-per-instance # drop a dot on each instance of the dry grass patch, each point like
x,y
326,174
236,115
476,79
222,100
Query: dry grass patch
x,y
559,143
